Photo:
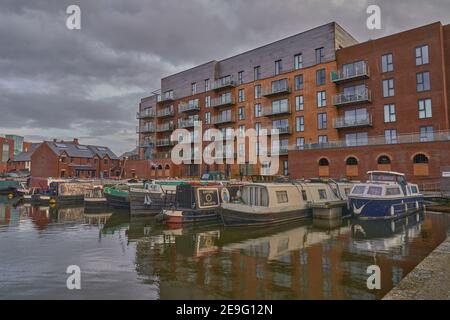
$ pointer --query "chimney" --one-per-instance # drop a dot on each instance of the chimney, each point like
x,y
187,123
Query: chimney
x,y
75,140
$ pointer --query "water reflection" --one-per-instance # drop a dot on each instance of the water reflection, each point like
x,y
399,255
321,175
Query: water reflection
x,y
313,259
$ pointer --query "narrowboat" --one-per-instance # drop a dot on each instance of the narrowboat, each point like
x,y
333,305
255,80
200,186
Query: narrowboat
x,y
386,195
156,195
118,196
197,202
95,200
8,187
68,193
274,203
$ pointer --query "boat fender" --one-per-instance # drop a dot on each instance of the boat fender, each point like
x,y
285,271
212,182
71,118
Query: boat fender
x,y
10,196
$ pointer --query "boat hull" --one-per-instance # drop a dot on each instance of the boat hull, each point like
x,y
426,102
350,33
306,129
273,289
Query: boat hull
x,y
235,218
118,202
183,216
95,204
148,203
69,200
372,209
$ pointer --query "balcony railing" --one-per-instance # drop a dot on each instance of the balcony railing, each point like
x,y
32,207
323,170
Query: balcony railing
x,y
166,98
271,111
359,71
145,129
149,113
381,140
346,122
164,143
282,151
342,99
146,143
162,155
187,107
282,130
188,123
165,127
222,101
281,88
166,112
224,83
221,119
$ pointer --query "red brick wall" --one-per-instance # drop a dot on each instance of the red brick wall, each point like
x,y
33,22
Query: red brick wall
x,y
143,169
44,162
304,163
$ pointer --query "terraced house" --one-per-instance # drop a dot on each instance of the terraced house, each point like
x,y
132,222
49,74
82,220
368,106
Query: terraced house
x,y
340,107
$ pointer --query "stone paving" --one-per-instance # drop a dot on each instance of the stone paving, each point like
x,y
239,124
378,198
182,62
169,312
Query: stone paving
x,y
430,280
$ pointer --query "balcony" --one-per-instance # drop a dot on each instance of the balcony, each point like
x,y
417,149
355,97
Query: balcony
x,y
224,101
146,129
162,155
166,112
357,71
164,143
222,119
147,113
282,151
165,127
271,111
188,107
166,98
281,131
188,123
343,99
276,90
343,122
146,143
224,83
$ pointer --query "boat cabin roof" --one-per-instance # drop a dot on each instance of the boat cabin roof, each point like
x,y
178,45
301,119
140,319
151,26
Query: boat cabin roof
x,y
392,173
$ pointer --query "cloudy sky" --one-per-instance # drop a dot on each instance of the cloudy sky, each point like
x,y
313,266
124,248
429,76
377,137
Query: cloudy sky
x,y
60,83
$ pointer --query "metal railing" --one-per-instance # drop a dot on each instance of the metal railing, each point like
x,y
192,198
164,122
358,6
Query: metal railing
x,y
272,90
164,142
148,113
381,140
165,98
344,98
281,130
359,70
165,127
346,122
145,128
188,123
162,155
271,111
166,112
223,119
223,83
222,101
186,107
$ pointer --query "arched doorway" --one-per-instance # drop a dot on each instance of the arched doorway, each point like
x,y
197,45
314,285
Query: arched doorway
x,y
384,163
420,165
351,167
324,168
167,171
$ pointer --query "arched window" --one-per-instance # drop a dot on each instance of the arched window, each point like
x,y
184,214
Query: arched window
x,y
323,162
420,158
384,160
167,170
352,161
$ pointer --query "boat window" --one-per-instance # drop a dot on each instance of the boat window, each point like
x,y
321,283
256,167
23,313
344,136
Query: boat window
x,y
375,191
282,196
359,189
304,195
414,189
255,196
322,194
392,191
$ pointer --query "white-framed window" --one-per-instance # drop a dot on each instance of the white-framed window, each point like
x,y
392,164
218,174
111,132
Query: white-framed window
x,y
207,117
389,113
207,85
300,124
241,113
258,110
207,101
388,88
258,92
321,99
321,121
298,61
299,103
300,142
425,109
278,67
194,88
423,81
422,56
241,95
390,136
387,62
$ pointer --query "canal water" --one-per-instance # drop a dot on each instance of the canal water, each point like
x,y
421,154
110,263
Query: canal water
x,y
129,258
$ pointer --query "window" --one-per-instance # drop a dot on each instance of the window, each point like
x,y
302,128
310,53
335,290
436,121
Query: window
x,y
258,110
387,63
389,113
258,128
298,82
282,196
320,77
300,143
207,101
241,113
423,81
280,124
321,99
241,131
420,158
258,92
278,67
392,191
351,161
375,191
323,162
105,161
194,88
300,124
321,121
425,109
285,168
241,95
207,85
298,61
356,116
356,139
323,139
320,55
422,55
240,77
63,173
359,189
207,117
384,160
241,149
426,133
388,88
299,103
322,194
257,73
280,106
390,136
304,195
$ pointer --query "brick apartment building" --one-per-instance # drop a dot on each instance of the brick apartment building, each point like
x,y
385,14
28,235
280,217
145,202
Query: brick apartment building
x,y
7,152
22,162
341,107
65,159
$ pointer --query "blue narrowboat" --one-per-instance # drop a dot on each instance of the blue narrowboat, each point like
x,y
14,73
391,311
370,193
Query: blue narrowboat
x,y
386,195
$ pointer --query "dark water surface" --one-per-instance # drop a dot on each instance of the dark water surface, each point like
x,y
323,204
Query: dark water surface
x,y
123,258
